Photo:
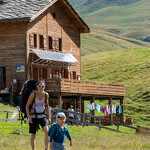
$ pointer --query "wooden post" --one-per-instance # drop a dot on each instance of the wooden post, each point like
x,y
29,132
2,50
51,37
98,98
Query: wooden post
x,y
121,117
52,117
110,104
83,120
79,100
31,74
59,100
100,123
6,116
93,111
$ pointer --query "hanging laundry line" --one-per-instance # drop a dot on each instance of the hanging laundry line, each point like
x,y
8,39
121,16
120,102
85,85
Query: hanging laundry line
x,y
105,109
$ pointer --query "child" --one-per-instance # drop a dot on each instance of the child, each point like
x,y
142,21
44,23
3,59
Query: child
x,y
78,117
57,136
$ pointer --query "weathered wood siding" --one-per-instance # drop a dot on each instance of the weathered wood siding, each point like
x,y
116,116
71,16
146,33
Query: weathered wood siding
x,y
59,27
12,50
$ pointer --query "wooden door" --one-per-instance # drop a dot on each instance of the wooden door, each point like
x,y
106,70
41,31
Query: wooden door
x,y
44,73
74,75
2,78
66,74
35,73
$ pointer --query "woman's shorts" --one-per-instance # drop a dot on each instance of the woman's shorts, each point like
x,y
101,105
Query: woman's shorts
x,y
33,127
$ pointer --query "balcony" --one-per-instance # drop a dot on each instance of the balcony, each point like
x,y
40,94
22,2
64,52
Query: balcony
x,y
84,87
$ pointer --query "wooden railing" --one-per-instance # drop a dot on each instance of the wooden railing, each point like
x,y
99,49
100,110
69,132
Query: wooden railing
x,y
83,121
9,119
84,87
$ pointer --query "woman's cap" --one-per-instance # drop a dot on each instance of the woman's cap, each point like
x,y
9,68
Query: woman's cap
x,y
60,115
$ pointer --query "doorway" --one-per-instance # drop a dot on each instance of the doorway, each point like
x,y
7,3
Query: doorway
x,y
2,78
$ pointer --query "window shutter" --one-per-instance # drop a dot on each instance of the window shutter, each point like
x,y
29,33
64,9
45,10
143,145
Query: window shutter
x,y
35,40
60,44
31,40
50,43
55,44
45,43
41,41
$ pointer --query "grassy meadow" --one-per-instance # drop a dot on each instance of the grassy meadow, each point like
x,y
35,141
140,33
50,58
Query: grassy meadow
x,y
87,138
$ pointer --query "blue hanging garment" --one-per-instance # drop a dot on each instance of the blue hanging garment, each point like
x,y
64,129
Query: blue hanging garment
x,y
120,109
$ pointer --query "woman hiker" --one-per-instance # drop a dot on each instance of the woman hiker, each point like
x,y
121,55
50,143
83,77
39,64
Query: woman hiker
x,y
39,100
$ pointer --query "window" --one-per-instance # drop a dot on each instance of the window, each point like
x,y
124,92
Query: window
x,y
60,44
54,15
35,40
50,42
41,41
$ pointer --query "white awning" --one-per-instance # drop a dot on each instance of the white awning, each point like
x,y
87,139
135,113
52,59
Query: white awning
x,y
54,57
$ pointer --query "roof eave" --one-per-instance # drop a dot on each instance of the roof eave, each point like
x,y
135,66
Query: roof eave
x,y
26,19
85,28
42,10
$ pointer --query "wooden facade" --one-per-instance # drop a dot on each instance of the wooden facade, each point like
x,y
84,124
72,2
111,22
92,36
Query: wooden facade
x,y
54,28
12,52
58,29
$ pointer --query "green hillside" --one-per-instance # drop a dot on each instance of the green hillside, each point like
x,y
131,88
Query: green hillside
x,y
130,18
100,41
130,67
88,6
130,21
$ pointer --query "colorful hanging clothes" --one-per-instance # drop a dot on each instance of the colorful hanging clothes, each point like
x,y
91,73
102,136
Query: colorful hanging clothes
x,y
120,109
117,110
88,107
108,109
98,108
102,108
93,106
105,111
114,108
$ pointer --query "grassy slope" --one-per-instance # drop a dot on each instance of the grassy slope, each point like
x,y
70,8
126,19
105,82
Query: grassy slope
x,y
131,21
86,6
129,18
100,41
129,67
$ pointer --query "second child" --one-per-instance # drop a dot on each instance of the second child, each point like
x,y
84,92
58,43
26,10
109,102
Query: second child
x,y
57,135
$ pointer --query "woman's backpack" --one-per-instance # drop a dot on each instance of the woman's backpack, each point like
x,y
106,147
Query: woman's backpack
x,y
28,87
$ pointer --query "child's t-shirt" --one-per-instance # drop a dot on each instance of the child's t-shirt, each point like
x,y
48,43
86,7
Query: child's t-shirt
x,y
58,134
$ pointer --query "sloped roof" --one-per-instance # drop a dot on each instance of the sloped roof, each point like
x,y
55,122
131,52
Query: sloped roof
x,y
28,10
17,9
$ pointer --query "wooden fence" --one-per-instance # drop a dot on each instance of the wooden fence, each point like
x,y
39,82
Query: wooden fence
x,y
85,119
7,116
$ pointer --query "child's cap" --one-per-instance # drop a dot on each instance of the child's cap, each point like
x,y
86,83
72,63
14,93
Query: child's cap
x,y
60,115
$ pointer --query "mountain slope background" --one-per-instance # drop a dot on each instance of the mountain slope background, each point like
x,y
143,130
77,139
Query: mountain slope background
x,y
102,41
129,67
130,18
87,6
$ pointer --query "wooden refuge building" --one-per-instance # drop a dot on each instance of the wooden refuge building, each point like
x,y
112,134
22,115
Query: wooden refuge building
x,y
40,39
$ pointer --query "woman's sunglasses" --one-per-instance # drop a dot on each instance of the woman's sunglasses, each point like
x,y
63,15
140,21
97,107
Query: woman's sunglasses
x,y
41,86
